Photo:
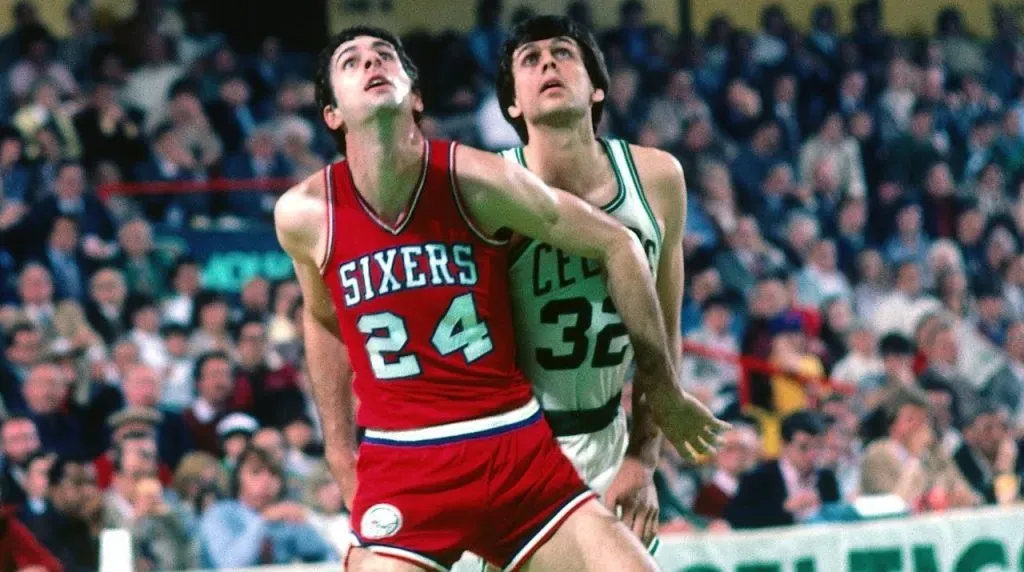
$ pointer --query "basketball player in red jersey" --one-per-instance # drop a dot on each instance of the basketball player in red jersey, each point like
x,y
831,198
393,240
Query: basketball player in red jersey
x,y
400,253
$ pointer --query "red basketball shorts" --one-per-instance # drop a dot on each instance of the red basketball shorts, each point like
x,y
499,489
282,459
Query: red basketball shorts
x,y
497,486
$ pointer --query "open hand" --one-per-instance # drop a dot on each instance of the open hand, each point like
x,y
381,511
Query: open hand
x,y
691,427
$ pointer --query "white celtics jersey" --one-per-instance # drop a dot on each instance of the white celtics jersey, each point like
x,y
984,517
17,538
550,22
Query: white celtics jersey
x,y
571,342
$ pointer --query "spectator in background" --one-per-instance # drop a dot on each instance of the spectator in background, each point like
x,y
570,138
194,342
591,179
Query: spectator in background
x,y
256,527
15,175
143,265
260,387
134,460
737,454
678,106
214,387
108,131
131,428
67,264
209,324
791,489
170,161
44,115
105,307
328,517
821,279
141,314
235,432
74,500
148,85
861,363
46,393
199,482
19,547
624,110
832,143
941,351
184,279
231,115
20,441
186,116
37,65
755,161
709,379
159,537
178,386
988,453
906,463
142,388
749,258
77,48
261,161
486,38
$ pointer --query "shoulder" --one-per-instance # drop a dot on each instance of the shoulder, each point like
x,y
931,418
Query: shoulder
x,y
299,216
475,168
662,178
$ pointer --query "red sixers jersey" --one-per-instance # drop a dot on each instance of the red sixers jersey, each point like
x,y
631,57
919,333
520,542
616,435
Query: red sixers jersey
x,y
423,305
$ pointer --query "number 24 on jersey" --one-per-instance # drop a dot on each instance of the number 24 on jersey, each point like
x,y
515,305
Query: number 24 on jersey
x,y
458,330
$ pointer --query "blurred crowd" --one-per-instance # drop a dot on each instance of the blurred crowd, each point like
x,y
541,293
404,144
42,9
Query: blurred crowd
x,y
854,231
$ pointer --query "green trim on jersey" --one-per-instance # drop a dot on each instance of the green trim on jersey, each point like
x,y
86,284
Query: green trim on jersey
x,y
640,189
620,197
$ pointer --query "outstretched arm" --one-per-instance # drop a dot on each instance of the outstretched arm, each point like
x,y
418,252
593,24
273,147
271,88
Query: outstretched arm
x,y
298,219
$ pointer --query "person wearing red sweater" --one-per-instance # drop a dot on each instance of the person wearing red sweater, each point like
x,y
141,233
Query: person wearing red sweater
x,y
20,551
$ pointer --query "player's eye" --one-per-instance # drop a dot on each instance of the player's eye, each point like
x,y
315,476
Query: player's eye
x,y
562,53
387,56
530,59
348,63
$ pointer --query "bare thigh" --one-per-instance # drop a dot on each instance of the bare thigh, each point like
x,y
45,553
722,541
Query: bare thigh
x,y
592,540
362,560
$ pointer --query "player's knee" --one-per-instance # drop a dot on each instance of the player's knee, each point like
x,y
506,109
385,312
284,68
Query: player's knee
x,y
362,560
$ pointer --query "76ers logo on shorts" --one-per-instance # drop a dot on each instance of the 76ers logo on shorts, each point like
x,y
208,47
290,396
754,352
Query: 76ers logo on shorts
x,y
380,521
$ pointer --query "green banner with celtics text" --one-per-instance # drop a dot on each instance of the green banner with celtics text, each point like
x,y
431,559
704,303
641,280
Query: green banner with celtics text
x,y
966,541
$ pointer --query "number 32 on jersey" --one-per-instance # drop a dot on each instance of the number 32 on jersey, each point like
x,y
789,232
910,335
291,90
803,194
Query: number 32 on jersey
x,y
458,330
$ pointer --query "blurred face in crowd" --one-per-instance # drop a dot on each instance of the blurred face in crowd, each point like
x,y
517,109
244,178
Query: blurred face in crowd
x,y
837,447
20,439
141,386
908,279
862,341
944,348
770,299
680,86
136,238
214,316
256,294
552,86
271,441
233,446
64,236
832,130
258,486
908,221
37,479
748,235
839,315
801,234
705,284
853,216
1014,344
804,451
70,183
779,180
737,451
215,383
75,489
921,125
35,286
871,267
126,354
147,319
261,145
862,125
107,288
717,319
235,92
990,309
186,281
986,433
939,181
25,349
910,420
138,462
284,296
298,434
252,344
177,344
824,255
45,389
970,225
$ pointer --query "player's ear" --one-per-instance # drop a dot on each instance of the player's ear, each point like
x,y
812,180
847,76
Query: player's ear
x,y
332,117
514,112
417,102
598,95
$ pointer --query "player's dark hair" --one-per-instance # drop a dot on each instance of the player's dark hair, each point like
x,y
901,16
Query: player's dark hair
x,y
543,28
322,78
802,422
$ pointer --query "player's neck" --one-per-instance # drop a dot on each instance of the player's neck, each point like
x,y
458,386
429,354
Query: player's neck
x,y
386,159
571,159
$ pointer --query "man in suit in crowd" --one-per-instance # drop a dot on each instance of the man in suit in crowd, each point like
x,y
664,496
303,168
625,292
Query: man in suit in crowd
x,y
789,490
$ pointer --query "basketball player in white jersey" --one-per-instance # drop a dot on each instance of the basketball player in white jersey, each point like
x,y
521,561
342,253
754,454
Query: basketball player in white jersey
x,y
552,82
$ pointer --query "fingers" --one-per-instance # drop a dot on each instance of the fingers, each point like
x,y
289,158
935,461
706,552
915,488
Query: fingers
x,y
650,528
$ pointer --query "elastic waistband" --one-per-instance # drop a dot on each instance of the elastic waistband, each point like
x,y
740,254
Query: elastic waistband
x,y
458,431
582,421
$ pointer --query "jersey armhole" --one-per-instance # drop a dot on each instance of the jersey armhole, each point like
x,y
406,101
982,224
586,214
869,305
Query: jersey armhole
x,y
329,202
463,211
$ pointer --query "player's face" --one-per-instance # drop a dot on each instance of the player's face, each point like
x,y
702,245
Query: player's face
x,y
367,77
551,82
